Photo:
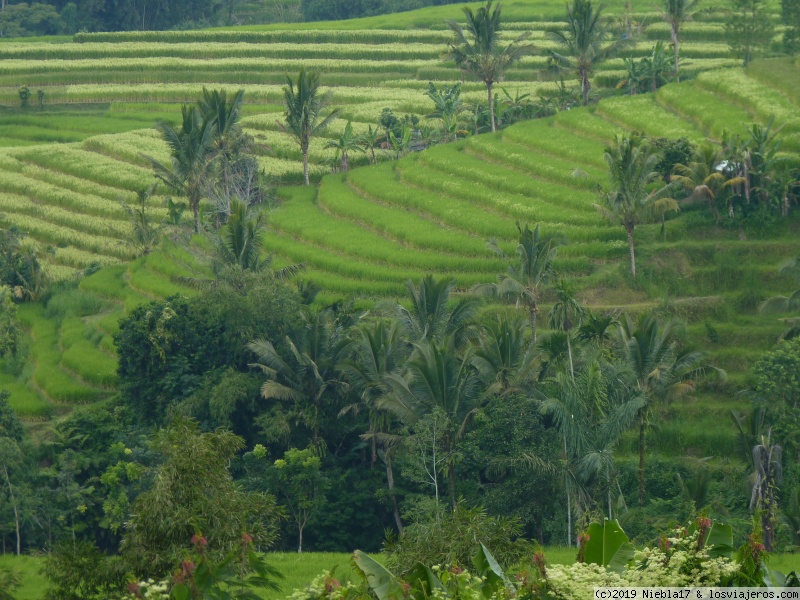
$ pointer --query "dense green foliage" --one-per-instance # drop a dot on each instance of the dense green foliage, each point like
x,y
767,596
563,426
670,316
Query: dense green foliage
x,y
357,381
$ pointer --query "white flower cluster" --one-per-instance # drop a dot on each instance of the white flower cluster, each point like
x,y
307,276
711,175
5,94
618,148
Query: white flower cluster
x,y
679,563
153,590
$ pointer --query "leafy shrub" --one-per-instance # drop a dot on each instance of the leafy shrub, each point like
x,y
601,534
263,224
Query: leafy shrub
x,y
79,571
449,537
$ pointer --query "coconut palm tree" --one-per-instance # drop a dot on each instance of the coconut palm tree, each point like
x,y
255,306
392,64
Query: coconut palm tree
x,y
676,13
703,177
632,164
433,316
344,145
305,374
476,48
378,351
660,370
370,140
591,415
566,314
586,43
524,280
241,240
304,105
191,149
505,358
439,379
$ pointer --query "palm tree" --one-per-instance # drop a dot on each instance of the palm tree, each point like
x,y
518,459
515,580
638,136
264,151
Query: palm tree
x,y
433,316
703,178
660,369
346,143
378,351
632,164
225,115
370,140
241,239
144,234
523,281
790,303
191,149
591,416
566,314
585,43
505,359
304,106
305,374
676,13
477,48
438,380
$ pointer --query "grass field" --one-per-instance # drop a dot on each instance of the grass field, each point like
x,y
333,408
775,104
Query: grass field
x,y
299,569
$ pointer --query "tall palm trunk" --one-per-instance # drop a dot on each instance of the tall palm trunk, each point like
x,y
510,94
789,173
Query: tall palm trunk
x,y
675,46
569,354
491,105
451,484
585,85
15,506
641,461
569,498
305,166
629,229
532,310
390,480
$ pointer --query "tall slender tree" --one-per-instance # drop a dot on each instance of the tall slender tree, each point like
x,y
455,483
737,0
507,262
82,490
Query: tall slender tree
x,y
439,379
631,199
676,13
378,351
524,280
476,48
304,105
191,151
660,369
566,314
586,42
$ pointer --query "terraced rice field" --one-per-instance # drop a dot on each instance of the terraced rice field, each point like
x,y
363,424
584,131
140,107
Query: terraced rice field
x,y
65,169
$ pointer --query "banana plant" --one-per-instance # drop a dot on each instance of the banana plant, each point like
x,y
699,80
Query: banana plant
x,y
423,582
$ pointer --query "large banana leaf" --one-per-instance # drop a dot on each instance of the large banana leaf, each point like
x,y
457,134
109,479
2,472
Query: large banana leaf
x,y
486,566
720,538
423,582
608,546
380,580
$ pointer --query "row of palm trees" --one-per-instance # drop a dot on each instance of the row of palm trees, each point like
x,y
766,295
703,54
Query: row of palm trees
x,y
587,41
428,367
